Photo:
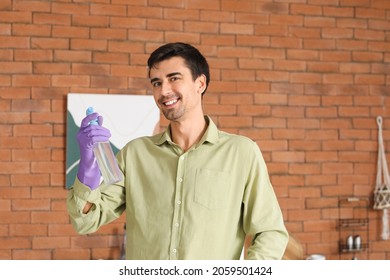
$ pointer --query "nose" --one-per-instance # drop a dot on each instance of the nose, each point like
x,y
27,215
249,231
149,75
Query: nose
x,y
166,88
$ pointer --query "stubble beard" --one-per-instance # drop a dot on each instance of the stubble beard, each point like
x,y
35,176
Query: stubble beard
x,y
173,114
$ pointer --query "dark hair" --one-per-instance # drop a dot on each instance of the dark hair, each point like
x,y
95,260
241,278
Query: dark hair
x,y
193,59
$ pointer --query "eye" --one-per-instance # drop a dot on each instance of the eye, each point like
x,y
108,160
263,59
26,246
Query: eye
x,y
156,84
174,78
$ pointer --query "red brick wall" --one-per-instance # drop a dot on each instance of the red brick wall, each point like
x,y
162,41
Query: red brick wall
x,y
304,78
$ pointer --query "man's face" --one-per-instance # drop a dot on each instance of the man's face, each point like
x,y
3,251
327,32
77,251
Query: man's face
x,y
176,93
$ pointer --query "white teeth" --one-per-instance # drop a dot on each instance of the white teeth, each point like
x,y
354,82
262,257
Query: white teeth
x,y
170,102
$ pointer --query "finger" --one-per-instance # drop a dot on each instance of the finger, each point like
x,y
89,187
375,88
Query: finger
x,y
99,138
96,130
100,120
85,122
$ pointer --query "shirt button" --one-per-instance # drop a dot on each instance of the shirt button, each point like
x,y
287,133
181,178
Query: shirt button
x,y
179,202
177,225
180,180
174,251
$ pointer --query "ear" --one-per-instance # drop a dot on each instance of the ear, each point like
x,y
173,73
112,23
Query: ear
x,y
201,83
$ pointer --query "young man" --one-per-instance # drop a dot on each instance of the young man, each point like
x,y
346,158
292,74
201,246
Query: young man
x,y
191,192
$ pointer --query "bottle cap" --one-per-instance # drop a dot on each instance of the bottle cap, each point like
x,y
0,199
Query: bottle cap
x,y
90,111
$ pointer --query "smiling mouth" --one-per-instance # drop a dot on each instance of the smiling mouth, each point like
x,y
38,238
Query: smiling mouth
x,y
171,102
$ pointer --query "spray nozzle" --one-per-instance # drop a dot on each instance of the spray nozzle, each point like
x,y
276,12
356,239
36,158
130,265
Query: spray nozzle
x,y
90,111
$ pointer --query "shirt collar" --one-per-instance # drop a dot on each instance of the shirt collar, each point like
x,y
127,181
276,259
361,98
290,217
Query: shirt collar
x,y
211,134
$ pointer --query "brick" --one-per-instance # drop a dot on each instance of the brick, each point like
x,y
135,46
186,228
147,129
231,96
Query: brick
x,y
89,44
31,155
302,55
370,13
15,17
30,180
15,142
90,69
89,242
70,8
313,21
282,42
265,122
51,68
41,166
56,192
31,204
367,79
40,217
48,117
72,56
112,58
234,28
171,25
15,243
90,21
224,87
337,79
238,75
310,78
220,110
109,82
235,121
126,22
291,65
235,6
320,44
217,16
366,57
271,99
279,76
108,33
49,43
50,242
37,6
18,217
111,10
210,27
250,40
305,145
32,255
33,55
68,80
338,12
323,112
288,156
270,30
71,254
254,110
268,53
54,19
20,42
15,67
70,32
304,168
303,123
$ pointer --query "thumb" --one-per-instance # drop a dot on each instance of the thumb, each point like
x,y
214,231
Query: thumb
x,y
100,120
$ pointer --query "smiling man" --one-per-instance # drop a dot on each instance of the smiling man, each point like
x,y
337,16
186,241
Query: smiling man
x,y
191,192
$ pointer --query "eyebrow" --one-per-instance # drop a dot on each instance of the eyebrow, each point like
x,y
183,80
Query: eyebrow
x,y
168,76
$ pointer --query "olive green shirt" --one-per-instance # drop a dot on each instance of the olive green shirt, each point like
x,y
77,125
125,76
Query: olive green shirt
x,y
198,204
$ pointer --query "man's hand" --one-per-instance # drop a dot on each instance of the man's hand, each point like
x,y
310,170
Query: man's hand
x,y
88,172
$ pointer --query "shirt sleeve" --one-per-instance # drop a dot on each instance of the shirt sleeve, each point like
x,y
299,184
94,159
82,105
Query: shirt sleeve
x,y
108,204
263,217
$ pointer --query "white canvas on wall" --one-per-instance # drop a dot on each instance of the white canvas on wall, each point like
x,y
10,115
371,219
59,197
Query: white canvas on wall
x,y
126,116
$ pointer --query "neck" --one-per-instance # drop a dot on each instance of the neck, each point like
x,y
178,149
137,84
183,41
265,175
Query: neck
x,y
187,133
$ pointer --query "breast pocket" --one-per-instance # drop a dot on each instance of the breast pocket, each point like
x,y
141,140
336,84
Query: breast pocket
x,y
212,188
